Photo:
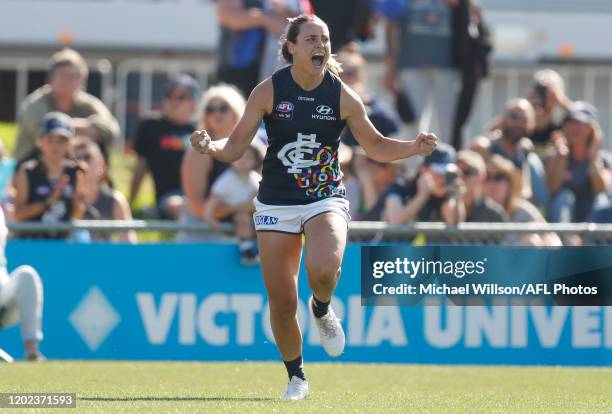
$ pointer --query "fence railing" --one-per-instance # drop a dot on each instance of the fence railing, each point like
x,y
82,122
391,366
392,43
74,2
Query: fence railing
x,y
23,67
138,86
139,82
359,231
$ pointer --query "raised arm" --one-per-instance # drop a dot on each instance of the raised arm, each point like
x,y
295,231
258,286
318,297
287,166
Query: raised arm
x,y
377,146
233,15
230,149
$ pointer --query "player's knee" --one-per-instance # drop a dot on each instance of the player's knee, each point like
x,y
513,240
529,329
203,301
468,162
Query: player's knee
x,y
284,306
322,270
28,279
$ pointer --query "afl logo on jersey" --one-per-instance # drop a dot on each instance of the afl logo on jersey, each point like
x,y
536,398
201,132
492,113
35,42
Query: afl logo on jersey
x,y
284,107
283,110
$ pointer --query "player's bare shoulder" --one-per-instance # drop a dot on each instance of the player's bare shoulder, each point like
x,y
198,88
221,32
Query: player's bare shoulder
x,y
262,96
350,102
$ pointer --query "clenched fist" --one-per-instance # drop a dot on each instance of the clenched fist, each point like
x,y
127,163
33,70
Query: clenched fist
x,y
200,141
425,142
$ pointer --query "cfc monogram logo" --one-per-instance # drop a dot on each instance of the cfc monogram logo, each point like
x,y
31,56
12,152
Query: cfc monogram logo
x,y
292,154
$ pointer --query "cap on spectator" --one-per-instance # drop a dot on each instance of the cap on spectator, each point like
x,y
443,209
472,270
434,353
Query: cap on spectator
x,y
57,123
443,154
583,112
473,160
185,81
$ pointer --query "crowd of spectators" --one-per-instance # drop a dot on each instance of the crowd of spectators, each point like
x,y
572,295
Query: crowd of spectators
x,y
539,160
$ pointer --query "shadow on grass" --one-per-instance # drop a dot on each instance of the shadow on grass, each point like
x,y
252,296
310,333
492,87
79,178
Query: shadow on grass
x,y
131,399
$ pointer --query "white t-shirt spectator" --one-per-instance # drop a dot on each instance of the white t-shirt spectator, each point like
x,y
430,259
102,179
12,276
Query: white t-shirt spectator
x,y
233,189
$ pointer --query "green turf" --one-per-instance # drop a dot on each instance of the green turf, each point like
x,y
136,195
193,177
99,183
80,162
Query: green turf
x,y
149,387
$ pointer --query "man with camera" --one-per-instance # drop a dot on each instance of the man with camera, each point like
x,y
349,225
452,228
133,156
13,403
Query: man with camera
x,y
510,140
435,194
547,95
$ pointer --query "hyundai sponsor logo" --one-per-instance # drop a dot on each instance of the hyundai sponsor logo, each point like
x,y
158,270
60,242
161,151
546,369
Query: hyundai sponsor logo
x,y
324,110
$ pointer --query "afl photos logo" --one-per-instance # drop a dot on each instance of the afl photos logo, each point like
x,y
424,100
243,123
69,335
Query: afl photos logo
x,y
283,110
324,112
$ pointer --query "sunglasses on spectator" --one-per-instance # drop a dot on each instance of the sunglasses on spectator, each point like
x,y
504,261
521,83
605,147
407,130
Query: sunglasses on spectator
x,y
223,108
179,97
83,157
516,116
349,72
469,172
496,178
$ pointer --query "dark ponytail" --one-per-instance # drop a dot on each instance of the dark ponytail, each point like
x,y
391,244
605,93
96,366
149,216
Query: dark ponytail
x,y
291,33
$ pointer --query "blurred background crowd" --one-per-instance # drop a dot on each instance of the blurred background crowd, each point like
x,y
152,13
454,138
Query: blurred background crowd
x,y
541,159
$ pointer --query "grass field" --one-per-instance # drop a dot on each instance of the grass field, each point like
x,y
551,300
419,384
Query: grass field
x,y
151,387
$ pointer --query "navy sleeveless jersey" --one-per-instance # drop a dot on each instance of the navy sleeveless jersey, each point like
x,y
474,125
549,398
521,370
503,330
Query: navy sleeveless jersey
x,y
301,164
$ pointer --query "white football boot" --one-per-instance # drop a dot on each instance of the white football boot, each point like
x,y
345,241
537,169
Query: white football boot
x,y
297,389
330,331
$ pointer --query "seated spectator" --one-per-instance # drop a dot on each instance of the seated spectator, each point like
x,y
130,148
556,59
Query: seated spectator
x,y
512,143
482,145
21,301
7,169
601,214
504,187
67,77
50,187
236,188
218,112
354,75
375,179
547,95
349,178
436,194
478,207
578,174
103,202
160,144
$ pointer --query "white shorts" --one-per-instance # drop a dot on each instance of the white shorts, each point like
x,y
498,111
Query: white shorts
x,y
291,219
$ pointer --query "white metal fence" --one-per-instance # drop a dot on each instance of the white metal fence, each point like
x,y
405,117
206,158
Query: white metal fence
x,y
24,66
135,86
359,231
